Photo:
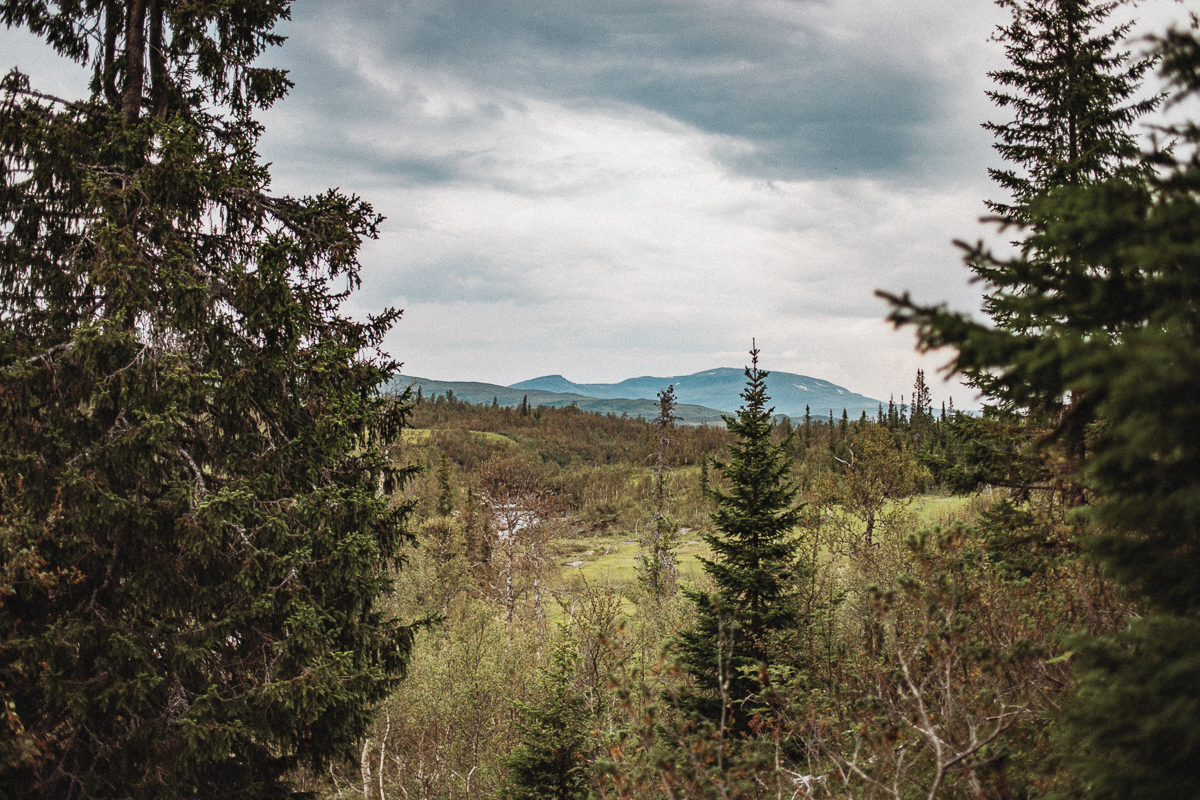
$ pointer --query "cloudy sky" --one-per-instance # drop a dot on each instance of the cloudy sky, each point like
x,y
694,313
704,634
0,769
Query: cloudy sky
x,y
614,188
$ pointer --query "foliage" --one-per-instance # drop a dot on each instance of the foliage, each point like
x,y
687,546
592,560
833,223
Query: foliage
x,y
1118,331
1072,94
193,536
1134,719
445,730
1072,90
873,491
550,759
656,561
752,566
565,437
1008,579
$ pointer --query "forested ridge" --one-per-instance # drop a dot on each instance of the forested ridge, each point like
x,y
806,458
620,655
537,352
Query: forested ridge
x,y
231,564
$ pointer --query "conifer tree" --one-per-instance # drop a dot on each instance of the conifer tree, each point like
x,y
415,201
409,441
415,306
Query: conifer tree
x,y
656,561
549,761
1119,330
806,436
1071,89
922,399
753,568
445,489
195,522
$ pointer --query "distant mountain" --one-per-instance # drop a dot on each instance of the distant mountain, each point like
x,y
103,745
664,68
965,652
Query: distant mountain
x,y
477,393
721,389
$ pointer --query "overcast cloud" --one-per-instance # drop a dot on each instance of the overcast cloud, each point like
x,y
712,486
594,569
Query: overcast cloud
x,y
614,188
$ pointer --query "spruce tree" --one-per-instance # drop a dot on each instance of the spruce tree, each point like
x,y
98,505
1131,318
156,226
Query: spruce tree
x,y
656,561
922,412
753,565
1119,330
1071,86
550,762
195,522
444,506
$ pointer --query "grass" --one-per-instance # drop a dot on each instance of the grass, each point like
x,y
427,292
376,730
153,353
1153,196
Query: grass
x,y
421,436
612,556
935,510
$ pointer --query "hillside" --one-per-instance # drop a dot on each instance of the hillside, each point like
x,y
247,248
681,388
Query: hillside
x,y
476,393
703,396
721,389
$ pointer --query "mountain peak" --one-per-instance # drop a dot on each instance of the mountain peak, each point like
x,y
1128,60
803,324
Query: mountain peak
x,y
721,388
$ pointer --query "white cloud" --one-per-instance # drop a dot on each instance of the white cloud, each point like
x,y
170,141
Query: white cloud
x,y
630,187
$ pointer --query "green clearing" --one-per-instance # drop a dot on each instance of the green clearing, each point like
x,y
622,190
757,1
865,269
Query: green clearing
x,y
611,557
421,436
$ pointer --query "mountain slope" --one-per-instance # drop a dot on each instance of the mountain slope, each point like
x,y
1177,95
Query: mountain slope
x,y
721,388
473,392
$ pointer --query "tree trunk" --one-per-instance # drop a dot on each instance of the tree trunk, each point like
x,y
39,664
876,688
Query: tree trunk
x,y
135,58
108,75
159,87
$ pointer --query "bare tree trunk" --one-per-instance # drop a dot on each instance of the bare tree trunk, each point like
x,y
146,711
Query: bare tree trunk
x,y
108,75
510,599
383,750
365,763
159,94
135,58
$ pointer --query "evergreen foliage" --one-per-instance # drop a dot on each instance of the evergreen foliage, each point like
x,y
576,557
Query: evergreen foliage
x,y
549,763
1119,331
1071,89
656,561
754,567
192,533
445,490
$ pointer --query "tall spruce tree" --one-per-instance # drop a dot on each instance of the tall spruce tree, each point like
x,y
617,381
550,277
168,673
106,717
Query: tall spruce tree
x,y
1072,91
194,512
754,566
1072,88
1121,330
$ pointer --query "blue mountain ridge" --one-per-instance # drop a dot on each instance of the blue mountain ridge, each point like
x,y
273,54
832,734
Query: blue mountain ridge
x,y
721,389
703,396
476,393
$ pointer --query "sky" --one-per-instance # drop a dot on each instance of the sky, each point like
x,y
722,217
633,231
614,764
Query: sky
x,y
607,189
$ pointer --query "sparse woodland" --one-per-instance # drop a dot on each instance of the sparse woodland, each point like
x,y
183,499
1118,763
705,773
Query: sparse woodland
x,y
919,649
231,566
